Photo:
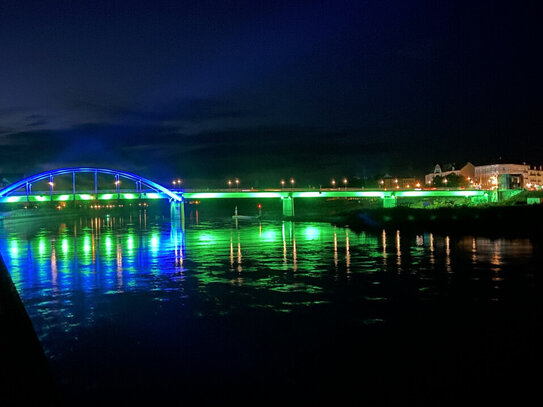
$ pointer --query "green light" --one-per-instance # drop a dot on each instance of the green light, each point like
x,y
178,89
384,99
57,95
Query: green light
x,y
437,193
203,195
265,194
338,194
413,193
38,198
329,194
308,194
231,195
372,194
259,195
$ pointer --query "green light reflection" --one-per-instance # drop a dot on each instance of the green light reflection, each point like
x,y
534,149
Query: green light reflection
x,y
41,246
65,246
14,249
155,242
108,244
87,244
270,236
312,233
130,243
206,239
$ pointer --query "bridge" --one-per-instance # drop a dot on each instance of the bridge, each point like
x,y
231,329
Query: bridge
x,y
143,188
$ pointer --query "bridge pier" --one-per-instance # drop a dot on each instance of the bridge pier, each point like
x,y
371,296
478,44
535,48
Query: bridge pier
x,y
177,213
288,206
389,201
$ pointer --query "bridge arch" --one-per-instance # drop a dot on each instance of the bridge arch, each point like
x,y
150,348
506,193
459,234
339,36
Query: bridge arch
x,y
117,173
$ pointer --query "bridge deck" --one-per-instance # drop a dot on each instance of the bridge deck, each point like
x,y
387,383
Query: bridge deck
x,y
81,197
229,194
349,193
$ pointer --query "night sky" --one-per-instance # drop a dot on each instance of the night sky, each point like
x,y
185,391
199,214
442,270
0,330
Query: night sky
x,y
263,90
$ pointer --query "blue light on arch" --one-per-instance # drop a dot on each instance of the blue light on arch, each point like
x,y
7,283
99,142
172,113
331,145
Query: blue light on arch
x,y
45,175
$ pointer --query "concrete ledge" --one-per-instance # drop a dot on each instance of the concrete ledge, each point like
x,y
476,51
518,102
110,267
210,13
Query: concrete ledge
x,y
24,371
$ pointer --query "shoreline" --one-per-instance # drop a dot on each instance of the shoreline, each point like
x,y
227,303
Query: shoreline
x,y
21,351
492,221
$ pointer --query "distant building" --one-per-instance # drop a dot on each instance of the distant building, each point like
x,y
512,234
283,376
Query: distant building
x,y
496,175
493,176
467,172
388,182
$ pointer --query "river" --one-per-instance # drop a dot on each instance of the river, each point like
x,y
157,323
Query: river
x,y
128,308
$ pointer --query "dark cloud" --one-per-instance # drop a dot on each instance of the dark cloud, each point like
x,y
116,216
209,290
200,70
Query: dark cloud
x,y
178,111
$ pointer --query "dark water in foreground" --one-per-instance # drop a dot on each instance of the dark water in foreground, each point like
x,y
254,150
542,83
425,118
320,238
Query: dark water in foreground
x,y
130,309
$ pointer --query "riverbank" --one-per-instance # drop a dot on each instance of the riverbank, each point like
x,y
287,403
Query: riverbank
x,y
25,374
524,220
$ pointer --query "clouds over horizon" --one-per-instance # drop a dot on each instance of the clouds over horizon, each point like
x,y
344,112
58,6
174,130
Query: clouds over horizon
x,y
259,152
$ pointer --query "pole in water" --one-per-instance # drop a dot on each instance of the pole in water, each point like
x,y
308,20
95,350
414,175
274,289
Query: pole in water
x,y
236,211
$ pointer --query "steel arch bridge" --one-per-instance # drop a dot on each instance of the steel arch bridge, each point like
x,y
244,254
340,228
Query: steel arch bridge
x,y
11,194
14,193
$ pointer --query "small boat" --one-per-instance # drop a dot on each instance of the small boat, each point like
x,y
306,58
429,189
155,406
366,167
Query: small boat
x,y
243,217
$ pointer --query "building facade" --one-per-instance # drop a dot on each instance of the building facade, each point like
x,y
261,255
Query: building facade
x,y
467,172
399,183
488,176
495,176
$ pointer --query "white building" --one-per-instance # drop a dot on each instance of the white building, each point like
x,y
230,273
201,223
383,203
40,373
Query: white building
x,y
467,171
488,176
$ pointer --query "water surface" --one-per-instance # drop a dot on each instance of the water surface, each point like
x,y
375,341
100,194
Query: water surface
x,y
132,308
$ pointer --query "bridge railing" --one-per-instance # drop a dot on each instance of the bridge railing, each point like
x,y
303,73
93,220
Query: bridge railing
x,y
69,192
180,190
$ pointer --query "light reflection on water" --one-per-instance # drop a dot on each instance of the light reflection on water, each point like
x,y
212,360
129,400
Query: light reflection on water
x,y
68,274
